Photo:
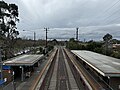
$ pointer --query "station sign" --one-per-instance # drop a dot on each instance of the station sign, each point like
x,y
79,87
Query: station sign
x,y
6,67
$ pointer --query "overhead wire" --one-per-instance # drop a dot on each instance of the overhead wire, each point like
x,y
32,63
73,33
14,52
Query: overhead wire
x,y
116,19
111,7
109,17
105,12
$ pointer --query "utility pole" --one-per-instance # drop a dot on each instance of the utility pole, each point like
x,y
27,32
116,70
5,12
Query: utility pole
x,y
46,30
34,36
34,41
77,33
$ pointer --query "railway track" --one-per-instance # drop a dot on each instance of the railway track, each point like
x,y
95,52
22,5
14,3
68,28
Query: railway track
x,y
64,72
62,78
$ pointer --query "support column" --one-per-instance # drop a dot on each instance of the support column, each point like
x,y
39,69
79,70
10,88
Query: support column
x,y
22,74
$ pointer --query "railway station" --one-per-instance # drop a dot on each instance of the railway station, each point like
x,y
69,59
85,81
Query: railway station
x,y
105,69
66,70
42,50
21,66
79,70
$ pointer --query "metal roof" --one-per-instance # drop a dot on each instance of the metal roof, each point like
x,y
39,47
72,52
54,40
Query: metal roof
x,y
23,60
105,65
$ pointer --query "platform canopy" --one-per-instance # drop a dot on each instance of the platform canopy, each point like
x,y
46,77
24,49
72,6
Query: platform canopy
x,y
105,65
23,60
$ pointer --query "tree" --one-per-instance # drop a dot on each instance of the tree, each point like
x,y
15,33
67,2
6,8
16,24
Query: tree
x,y
55,41
94,46
72,40
8,19
107,38
74,45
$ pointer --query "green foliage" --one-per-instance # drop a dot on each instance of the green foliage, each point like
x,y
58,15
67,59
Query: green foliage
x,y
91,46
8,19
116,54
98,50
74,45
72,40
50,47
94,46
114,41
99,47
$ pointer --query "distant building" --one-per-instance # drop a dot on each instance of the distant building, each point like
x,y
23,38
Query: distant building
x,y
116,46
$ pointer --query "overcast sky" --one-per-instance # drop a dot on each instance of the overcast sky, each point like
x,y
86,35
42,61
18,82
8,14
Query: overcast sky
x,y
94,18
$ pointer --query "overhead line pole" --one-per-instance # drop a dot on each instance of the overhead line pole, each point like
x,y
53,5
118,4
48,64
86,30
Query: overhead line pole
x,y
34,41
46,43
77,33
46,30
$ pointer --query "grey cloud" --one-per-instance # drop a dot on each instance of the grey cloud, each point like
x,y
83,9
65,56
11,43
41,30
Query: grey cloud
x,y
62,14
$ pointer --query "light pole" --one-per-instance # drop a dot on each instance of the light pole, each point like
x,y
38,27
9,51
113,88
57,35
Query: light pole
x,y
1,65
34,37
14,84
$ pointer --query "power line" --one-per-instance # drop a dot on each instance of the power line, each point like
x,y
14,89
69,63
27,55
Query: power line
x,y
107,18
113,20
106,11
111,6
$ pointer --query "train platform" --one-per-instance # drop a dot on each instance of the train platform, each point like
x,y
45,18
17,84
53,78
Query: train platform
x,y
104,70
29,82
105,65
